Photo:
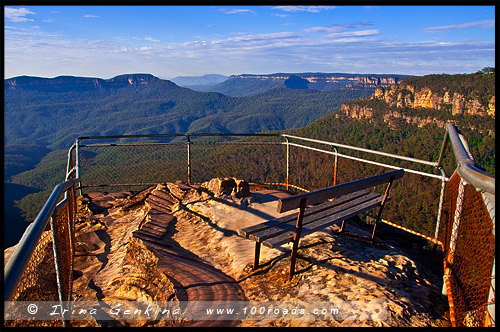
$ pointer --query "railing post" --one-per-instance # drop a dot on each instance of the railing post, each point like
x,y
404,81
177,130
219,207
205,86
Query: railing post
x,y
440,208
335,167
490,305
71,227
287,163
57,266
77,164
70,166
188,159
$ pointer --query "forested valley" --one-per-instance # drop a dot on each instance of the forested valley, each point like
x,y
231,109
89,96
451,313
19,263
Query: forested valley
x,y
33,167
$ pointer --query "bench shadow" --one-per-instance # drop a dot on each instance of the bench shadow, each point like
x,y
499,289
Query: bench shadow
x,y
209,222
378,250
244,204
358,244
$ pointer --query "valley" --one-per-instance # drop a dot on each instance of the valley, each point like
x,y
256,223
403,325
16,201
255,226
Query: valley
x,y
43,117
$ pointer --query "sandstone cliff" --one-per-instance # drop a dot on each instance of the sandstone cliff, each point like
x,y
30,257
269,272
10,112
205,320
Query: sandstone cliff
x,y
365,112
403,95
428,100
338,80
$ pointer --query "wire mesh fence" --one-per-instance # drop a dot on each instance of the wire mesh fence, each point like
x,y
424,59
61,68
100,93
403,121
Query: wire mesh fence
x,y
269,159
62,225
137,165
415,197
38,281
141,164
469,248
254,162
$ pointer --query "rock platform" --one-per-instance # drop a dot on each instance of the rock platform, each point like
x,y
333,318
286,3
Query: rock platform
x,y
174,242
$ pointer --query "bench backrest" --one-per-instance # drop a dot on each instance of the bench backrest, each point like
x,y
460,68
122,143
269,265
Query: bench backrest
x,y
321,195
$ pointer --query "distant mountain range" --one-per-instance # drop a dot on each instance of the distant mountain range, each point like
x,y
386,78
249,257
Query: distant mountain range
x,y
245,84
63,84
43,114
195,82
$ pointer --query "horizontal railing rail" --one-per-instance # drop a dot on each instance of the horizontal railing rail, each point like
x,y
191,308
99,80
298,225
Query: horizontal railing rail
x,y
467,167
182,135
350,147
374,162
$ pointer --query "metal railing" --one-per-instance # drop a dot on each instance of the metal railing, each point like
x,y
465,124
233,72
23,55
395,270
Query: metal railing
x,y
280,145
188,143
34,263
41,265
290,169
468,238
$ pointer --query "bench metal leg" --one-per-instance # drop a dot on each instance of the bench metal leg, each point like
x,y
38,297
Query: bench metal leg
x,y
375,228
257,256
342,227
296,237
379,214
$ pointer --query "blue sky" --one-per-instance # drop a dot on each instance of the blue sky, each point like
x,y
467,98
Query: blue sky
x,y
170,41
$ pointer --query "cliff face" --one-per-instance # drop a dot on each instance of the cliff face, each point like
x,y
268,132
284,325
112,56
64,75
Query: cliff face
x,y
72,83
365,112
369,81
343,80
416,101
403,95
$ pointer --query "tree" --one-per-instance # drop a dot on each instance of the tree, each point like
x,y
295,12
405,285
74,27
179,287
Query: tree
x,y
488,70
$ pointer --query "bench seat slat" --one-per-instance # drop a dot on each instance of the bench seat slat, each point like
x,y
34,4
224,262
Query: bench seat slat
x,y
317,196
269,232
245,232
324,222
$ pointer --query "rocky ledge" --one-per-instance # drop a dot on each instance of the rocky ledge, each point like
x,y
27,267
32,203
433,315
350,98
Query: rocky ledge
x,y
174,242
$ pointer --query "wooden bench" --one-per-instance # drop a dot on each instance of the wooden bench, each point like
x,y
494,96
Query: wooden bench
x,y
349,200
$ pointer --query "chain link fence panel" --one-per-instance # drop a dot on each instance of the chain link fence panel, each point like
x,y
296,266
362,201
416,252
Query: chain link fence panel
x,y
131,166
48,275
469,253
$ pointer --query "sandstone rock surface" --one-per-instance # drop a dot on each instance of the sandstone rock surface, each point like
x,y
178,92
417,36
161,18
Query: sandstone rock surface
x,y
174,243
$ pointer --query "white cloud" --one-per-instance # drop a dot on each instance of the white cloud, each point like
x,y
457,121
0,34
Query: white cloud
x,y
334,48
337,27
362,33
18,14
151,39
90,16
309,9
485,24
237,11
